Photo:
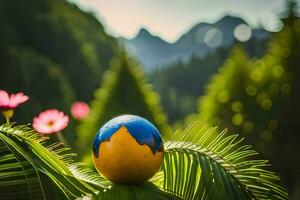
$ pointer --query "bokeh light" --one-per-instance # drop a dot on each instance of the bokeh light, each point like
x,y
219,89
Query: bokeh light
x,y
237,119
213,38
248,126
223,96
274,88
200,34
256,75
266,104
236,106
278,71
251,90
242,32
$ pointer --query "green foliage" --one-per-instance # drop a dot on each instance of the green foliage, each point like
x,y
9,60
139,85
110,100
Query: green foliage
x,y
194,168
176,83
123,91
30,170
28,63
199,165
222,89
259,99
247,95
286,136
48,46
67,50
180,84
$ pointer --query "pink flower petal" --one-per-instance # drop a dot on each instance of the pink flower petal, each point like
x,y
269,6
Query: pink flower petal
x,y
50,121
80,110
61,124
41,128
16,99
13,101
4,99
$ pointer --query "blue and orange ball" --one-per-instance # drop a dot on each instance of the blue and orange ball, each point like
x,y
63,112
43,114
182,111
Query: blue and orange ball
x,y
128,149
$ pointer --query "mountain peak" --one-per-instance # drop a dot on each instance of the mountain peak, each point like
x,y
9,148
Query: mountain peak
x,y
202,39
229,18
143,33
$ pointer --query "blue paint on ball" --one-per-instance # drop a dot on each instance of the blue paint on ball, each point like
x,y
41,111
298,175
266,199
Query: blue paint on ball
x,y
139,128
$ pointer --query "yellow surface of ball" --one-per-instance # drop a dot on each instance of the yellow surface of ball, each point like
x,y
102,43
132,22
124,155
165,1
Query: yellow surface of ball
x,y
128,150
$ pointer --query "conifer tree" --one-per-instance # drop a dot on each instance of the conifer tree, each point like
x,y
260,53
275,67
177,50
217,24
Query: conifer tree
x,y
224,89
260,99
123,91
246,96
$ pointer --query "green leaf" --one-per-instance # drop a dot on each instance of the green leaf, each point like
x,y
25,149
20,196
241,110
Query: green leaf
x,y
197,165
203,165
31,170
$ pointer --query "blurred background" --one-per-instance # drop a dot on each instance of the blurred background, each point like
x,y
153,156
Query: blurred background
x,y
233,65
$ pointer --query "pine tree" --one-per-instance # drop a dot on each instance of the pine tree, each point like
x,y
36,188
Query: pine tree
x,y
245,96
224,89
261,100
123,91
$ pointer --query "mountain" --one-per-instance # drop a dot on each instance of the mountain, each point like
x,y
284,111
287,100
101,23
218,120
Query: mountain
x,y
153,52
182,82
148,49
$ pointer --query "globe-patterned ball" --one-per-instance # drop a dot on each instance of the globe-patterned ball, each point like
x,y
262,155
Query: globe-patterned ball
x,y
128,149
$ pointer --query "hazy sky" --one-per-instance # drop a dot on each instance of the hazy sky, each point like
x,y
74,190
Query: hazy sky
x,y
171,18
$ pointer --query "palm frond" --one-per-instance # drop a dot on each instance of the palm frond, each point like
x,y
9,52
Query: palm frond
x,y
16,173
32,169
198,164
202,165
39,172
80,171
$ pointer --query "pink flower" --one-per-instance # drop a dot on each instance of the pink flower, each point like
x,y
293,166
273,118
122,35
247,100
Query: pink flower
x,y
10,102
80,110
50,121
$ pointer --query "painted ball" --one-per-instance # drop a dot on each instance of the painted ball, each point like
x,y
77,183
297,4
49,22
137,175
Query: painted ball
x,y
128,149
